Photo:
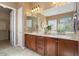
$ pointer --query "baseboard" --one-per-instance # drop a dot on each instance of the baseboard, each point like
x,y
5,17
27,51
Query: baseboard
x,y
20,46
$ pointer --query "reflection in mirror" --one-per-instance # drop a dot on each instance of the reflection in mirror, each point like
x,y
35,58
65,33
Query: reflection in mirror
x,y
53,24
31,23
66,24
62,23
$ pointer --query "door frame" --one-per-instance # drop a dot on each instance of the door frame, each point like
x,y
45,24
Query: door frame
x,y
21,42
13,37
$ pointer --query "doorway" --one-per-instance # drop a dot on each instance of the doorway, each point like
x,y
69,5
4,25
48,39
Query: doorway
x,y
8,27
4,26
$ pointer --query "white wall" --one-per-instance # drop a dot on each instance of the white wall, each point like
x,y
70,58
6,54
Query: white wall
x,y
59,10
20,27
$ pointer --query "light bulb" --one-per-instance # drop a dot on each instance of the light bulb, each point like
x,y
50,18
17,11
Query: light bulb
x,y
38,8
32,10
54,3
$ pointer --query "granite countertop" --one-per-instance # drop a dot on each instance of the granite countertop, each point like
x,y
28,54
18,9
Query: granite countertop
x,y
68,37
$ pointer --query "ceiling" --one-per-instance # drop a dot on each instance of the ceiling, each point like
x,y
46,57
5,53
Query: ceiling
x,y
30,5
69,7
43,5
50,8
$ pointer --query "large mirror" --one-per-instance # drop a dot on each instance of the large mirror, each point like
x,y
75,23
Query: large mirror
x,y
59,18
62,23
31,23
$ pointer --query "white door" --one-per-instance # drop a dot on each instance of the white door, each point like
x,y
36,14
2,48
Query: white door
x,y
13,27
20,27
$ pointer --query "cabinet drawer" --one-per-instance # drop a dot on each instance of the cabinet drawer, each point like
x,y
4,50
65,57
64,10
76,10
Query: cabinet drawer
x,y
40,40
40,50
40,45
40,37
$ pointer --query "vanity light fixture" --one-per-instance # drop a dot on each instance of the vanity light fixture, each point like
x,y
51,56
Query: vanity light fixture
x,y
36,9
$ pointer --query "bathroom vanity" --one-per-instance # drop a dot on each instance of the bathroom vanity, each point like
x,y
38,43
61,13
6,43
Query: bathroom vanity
x,y
52,45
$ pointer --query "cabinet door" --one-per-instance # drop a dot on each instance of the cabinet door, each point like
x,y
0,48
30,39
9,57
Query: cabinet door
x,y
33,42
78,48
40,45
67,48
51,47
27,40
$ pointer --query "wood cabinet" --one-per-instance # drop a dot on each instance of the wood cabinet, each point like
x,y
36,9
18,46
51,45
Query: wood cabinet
x,y
51,46
27,40
41,45
78,48
30,41
33,42
67,47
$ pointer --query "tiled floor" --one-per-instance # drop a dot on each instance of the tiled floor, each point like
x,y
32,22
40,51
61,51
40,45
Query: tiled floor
x,y
7,50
